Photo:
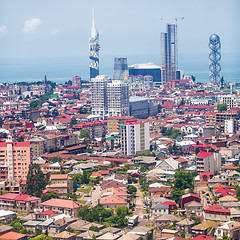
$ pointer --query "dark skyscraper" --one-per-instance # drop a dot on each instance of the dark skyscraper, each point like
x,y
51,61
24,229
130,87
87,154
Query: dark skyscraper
x,y
214,59
169,53
120,69
94,48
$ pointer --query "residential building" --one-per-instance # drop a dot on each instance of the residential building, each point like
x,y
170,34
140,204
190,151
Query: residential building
x,y
69,207
216,213
232,101
230,229
15,158
189,198
134,137
160,209
208,162
99,95
61,183
114,122
194,208
19,202
118,98
112,201
230,126
76,81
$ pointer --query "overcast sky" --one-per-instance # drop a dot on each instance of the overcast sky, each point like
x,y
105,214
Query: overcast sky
x,y
51,28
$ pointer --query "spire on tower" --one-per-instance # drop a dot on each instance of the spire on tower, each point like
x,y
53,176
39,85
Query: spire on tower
x,y
94,31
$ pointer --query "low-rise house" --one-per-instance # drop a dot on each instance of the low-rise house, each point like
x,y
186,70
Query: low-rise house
x,y
32,225
166,219
168,164
194,209
7,215
113,201
227,190
88,235
185,226
205,228
216,179
216,213
115,191
52,167
171,205
65,236
83,226
233,177
160,209
231,205
142,231
189,198
45,215
203,237
61,183
113,184
5,229
230,229
62,206
109,236
13,236
19,202
169,233
164,191
227,199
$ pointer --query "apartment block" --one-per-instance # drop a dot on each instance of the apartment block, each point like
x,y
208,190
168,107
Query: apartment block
x,y
134,137
208,162
15,157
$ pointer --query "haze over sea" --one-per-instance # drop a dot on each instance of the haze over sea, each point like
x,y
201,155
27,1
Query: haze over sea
x,y
61,69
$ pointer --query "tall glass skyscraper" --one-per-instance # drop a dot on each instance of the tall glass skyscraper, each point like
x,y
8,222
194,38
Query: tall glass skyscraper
x,y
169,53
120,69
94,48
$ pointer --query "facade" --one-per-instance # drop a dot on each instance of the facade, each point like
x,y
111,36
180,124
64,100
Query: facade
x,y
230,126
118,98
134,137
208,162
16,156
120,69
169,53
19,202
232,101
114,122
61,183
216,213
99,95
146,69
94,48
76,81
141,107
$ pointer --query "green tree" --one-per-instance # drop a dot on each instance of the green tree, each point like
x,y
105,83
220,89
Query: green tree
x,y
36,182
73,121
132,189
49,195
42,237
84,133
21,139
94,228
222,107
55,159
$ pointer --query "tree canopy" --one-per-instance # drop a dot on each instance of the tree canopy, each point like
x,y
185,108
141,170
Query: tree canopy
x,y
49,195
84,133
222,107
36,181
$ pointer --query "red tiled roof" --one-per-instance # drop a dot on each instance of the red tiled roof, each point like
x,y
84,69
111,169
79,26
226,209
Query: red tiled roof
x,y
18,197
112,199
203,237
12,236
204,154
62,203
47,212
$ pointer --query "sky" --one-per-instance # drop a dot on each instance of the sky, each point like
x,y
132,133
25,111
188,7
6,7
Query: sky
x,y
61,28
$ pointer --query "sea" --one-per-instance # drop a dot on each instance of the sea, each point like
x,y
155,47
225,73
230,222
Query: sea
x,y
62,69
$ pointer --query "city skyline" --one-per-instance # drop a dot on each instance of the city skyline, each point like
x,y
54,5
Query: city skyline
x,y
59,28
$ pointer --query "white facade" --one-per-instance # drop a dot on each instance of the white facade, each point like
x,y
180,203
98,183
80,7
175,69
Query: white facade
x,y
208,162
231,100
230,126
135,137
99,95
118,98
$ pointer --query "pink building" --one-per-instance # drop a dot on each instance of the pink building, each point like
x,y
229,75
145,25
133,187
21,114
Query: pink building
x,y
16,156
76,81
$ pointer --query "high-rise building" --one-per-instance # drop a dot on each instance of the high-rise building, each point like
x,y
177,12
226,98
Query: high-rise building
x,y
15,158
134,137
94,48
76,81
169,53
120,68
118,98
99,95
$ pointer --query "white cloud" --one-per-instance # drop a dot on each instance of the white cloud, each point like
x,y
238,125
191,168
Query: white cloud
x,y
54,32
31,25
3,29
